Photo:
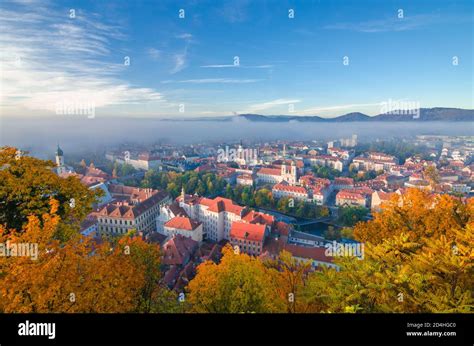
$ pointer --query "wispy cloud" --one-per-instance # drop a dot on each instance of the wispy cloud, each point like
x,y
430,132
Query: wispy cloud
x,y
185,36
268,105
213,80
234,11
315,110
154,53
51,58
393,23
236,66
180,62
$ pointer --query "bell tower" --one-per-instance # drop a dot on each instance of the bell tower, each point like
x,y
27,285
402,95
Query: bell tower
x,y
61,168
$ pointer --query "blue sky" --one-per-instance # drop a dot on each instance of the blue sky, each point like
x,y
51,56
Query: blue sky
x,y
184,67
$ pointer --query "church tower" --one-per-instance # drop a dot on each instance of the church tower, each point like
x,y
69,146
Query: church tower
x,y
61,168
294,177
283,170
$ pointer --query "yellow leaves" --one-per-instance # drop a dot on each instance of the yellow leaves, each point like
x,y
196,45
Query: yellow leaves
x,y
98,279
27,186
239,283
419,215
430,270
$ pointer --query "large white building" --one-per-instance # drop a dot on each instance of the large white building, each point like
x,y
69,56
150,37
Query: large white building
x,y
326,161
184,226
283,189
216,215
131,208
144,161
219,214
272,175
375,162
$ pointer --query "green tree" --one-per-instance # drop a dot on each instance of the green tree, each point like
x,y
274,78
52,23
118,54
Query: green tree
x,y
27,185
229,192
263,198
349,216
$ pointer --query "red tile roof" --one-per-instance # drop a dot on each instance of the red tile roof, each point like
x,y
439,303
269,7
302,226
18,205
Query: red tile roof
x,y
344,181
182,222
247,231
347,194
269,171
131,202
256,217
178,249
315,253
245,177
273,247
220,204
289,188
385,196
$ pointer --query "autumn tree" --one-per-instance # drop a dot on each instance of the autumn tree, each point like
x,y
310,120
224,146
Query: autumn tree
x,y
239,283
80,275
28,183
432,175
419,214
289,278
153,296
418,257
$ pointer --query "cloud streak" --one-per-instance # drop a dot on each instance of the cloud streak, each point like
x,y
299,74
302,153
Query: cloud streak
x,y
52,58
213,80
268,105
388,24
235,66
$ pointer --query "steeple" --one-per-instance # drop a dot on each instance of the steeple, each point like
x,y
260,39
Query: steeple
x,y
61,168
182,193
283,168
59,151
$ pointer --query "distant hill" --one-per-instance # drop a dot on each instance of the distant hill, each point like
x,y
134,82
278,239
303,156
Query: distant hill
x,y
356,116
278,118
431,114
426,114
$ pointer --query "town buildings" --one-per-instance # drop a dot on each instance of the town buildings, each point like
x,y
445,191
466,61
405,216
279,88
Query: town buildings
x,y
130,208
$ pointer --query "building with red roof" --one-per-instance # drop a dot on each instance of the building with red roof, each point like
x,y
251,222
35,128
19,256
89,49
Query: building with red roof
x,y
350,198
178,250
130,208
248,237
184,226
342,183
283,189
277,173
218,216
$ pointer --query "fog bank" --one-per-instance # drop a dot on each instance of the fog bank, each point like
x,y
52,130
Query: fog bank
x,y
76,134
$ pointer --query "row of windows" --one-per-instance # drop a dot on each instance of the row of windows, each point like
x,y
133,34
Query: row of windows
x,y
113,229
116,222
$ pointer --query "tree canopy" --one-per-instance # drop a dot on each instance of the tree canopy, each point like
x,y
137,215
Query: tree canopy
x,y
27,185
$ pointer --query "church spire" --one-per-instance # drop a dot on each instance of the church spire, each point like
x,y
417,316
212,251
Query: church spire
x,y
59,151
